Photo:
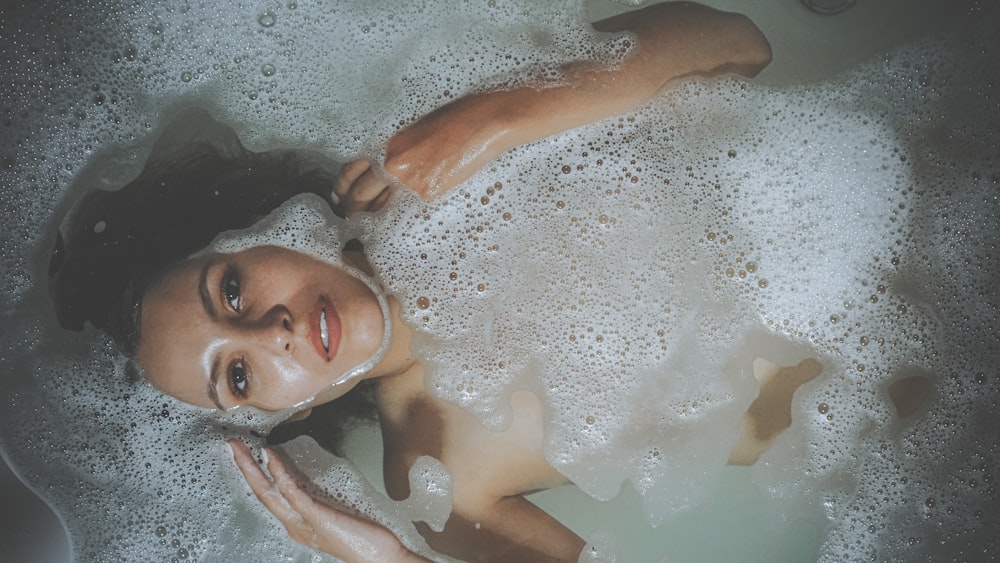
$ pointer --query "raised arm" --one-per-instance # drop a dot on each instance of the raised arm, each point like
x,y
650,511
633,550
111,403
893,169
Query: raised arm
x,y
448,145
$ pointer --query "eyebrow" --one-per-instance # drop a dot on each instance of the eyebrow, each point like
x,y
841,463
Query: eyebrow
x,y
209,305
206,297
213,383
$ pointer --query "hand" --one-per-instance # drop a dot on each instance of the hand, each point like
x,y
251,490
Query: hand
x,y
314,523
447,146
360,188
432,155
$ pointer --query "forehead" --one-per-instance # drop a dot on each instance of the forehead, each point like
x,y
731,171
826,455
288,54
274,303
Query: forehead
x,y
176,335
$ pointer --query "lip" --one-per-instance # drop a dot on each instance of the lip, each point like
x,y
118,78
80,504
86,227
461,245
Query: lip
x,y
332,325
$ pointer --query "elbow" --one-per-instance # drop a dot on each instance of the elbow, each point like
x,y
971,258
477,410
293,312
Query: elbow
x,y
759,53
758,58
754,50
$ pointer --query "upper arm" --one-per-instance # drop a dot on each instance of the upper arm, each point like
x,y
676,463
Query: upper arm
x,y
484,528
489,520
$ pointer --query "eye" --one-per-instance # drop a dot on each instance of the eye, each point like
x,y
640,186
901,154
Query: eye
x,y
230,288
238,376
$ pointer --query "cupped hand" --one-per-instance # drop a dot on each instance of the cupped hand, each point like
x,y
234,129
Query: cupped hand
x,y
433,154
314,523
360,187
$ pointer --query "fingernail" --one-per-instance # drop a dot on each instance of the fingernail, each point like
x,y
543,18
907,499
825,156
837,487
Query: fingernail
x,y
263,455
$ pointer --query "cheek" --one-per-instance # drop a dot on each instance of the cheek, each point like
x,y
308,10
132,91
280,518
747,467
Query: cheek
x,y
285,383
366,334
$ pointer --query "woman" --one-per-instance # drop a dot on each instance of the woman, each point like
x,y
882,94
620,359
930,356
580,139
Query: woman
x,y
279,331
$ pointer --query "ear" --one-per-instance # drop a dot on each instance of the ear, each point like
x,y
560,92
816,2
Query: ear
x,y
301,415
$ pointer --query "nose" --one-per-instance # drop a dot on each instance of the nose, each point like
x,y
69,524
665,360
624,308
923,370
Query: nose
x,y
275,330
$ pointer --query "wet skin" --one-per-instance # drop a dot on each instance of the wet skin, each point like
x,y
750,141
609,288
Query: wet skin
x,y
266,327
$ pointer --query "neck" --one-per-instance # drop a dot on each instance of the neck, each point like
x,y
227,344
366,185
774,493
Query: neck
x,y
398,357
400,375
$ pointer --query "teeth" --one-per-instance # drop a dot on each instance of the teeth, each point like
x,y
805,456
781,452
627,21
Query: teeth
x,y
324,332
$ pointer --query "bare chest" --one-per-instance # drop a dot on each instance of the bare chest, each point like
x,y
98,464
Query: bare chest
x,y
481,462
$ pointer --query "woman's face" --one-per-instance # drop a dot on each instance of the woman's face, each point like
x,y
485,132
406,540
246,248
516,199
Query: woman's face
x,y
266,327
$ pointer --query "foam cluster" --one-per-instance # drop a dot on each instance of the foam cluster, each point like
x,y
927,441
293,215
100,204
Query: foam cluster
x,y
628,272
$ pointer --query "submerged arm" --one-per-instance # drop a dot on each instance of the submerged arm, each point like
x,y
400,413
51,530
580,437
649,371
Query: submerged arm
x,y
448,145
511,529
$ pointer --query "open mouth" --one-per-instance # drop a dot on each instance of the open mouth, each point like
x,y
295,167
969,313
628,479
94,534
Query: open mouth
x,y
325,329
324,332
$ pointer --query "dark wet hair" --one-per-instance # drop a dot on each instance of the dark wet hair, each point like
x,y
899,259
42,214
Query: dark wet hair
x,y
199,180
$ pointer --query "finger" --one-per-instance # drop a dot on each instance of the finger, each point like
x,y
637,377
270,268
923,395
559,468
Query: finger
x,y
263,487
315,513
380,201
299,500
348,174
341,533
303,529
366,188
248,465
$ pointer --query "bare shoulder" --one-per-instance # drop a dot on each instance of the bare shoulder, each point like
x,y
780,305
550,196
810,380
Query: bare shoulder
x,y
485,466
490,520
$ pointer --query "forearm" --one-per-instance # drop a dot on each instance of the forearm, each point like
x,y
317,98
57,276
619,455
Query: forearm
x,y
513,529
447,146
674,40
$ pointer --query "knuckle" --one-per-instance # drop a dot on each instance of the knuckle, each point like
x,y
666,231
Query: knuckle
x,y
355,167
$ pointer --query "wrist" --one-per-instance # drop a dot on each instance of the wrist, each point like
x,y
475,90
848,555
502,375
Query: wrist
x,y
498,116
404,555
